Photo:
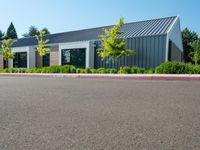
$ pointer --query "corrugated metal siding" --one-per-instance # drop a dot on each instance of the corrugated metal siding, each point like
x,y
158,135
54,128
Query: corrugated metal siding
x,y
150,52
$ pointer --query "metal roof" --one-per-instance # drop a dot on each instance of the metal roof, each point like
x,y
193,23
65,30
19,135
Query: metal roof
x,y
135,29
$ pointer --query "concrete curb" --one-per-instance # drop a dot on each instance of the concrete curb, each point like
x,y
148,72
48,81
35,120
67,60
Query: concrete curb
x,y
184,77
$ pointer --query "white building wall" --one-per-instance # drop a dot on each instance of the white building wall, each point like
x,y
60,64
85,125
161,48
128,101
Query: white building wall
x,y
175,34
89,46
30,55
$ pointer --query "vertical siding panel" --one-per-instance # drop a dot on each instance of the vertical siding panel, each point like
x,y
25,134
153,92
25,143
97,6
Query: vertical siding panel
x,y
148,48
132,57
152,52
126,58
156,51
160,49
144,52
137,51
141,52
135,48
129,57
164,49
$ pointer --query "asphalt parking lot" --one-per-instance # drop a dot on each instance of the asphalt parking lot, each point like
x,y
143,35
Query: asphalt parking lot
x,y
98,114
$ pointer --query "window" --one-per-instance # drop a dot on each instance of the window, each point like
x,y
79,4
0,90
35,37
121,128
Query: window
x,y
75,57
5,64
46,60
20,60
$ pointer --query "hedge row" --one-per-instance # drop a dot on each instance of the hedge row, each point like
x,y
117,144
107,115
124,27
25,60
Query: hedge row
x,y
165,68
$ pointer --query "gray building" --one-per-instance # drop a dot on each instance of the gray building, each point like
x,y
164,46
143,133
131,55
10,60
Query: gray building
x,y
154,41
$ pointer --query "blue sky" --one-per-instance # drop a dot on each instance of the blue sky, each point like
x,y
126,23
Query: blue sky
x,y
67,15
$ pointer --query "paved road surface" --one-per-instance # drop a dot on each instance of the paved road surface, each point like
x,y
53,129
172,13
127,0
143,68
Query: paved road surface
x,y
84,114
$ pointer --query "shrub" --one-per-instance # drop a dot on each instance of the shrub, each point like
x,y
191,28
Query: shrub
x,y
88,70
125,70
149,71
178,68
83,71
102,71
172,68
137,70
165,68
112,71
94,71
66,69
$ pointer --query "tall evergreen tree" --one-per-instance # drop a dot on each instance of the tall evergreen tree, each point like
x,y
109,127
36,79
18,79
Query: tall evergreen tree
x,y
46,31
1,35
11,32
189,37
33,31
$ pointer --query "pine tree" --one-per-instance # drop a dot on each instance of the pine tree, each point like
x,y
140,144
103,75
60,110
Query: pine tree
x,y
11,32
1,35
46,31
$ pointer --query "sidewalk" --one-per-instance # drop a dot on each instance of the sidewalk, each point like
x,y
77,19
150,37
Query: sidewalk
x,y
183,77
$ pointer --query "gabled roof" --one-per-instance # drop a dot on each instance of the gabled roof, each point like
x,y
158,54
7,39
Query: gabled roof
x,y
134,29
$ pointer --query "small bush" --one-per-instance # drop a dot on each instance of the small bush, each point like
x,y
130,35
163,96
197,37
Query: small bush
x,y
102,71
149,71
125,70
137,70
88,70
172,68
112,71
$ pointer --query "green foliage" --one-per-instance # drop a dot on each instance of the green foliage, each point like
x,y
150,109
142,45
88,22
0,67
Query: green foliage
x,y
41,48
133,70
177,68
125,70
33,31
2,35
11,32
195,55
111,46
103,71
137,70
6,50
165,68
189,37
149,71
46,31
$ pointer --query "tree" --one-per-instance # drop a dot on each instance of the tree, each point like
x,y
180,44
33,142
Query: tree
x,y
33,31
195,55
2,35
6,50
189,37
11,32
46,31
41,48
111,46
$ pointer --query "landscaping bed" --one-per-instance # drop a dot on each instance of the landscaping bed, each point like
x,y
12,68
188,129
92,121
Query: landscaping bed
x,y
165,68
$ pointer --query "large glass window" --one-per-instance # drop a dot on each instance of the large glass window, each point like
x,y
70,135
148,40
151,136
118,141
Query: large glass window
x,y
75,57
5,64
20,60
46,60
